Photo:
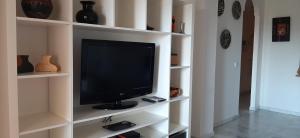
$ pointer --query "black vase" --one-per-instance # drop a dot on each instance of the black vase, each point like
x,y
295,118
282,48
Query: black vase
x,y
87,15
24,66
37,8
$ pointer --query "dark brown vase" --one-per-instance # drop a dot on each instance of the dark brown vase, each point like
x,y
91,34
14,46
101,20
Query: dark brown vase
x,y
24,66
37,8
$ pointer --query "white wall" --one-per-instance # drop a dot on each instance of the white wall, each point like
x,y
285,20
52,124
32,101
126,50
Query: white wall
x,y
204,68
280,89
228,67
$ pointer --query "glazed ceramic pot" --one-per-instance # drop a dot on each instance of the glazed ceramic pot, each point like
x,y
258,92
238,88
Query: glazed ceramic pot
x,y
37,8
87,14
24,66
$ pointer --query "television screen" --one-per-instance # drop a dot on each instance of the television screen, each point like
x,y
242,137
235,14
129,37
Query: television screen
x,y
112,71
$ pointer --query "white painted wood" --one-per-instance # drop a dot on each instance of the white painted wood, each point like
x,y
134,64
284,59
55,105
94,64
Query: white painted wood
x,y
93,27
40,22
105,10
52,93
179,98
95,130
180,67
131,13
183,13
174,128
181,79
183,47
41,75
159,14
88,114
8,90
40,122
181,35
179,116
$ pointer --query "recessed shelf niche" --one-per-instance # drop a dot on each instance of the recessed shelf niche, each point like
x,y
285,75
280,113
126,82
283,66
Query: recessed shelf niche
x,y
61,10
105,10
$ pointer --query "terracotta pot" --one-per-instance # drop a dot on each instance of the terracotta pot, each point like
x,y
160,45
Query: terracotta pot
x,y
45,65
37,8
24,66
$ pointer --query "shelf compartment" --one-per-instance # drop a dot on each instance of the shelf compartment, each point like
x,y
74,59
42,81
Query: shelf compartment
x,y
131,14
88,114
182,46
94,27
183,13
40,122
149,132
38,40
181,79
40,22
61,10
159,14
179,116
179,98
105,10
43,95
41,75
175,128
95,130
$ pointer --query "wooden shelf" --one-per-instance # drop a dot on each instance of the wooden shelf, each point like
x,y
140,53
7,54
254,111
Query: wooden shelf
x,y
88,114
115,29
180,67
95,130
40,122
181,35
40,22
174,128
179,98
41,75
151,133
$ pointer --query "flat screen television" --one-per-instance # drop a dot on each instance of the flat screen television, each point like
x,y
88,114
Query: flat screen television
x,y
112,71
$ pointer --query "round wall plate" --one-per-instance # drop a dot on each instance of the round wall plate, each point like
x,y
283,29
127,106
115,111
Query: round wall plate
x,y
236,10
221,7
225,39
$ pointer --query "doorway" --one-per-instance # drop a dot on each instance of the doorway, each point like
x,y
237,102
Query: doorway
x,y
247,56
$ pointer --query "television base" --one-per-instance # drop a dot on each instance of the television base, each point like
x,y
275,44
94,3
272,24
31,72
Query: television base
x,y
117,105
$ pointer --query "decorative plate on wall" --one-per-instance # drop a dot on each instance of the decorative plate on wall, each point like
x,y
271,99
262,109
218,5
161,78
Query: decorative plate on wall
x,y
221,7
225,39
236,10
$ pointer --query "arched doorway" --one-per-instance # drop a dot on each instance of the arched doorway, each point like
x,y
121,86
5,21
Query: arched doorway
x,y
247,56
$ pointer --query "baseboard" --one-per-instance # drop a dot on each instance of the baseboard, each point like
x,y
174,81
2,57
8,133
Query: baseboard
x,y
225,121
279,110
206,136
253,108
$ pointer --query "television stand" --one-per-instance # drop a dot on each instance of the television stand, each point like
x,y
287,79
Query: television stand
x,y
117,105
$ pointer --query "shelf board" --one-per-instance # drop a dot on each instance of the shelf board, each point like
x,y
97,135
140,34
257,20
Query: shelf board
x,y
179,67
174,128
180,34
40,122
40,22
88,114
95,130
115,29
179,98
40,75
148,132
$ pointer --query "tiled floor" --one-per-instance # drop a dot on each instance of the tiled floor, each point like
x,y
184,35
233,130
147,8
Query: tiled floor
x,y
260,124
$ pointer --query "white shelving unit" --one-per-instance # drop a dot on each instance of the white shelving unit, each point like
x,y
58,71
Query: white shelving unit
x,y
46,105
